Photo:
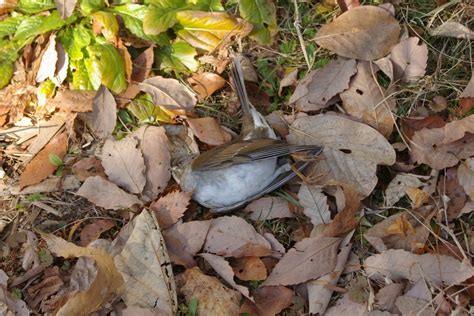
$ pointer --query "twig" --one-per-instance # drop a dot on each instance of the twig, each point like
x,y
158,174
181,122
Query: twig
x,y
297,25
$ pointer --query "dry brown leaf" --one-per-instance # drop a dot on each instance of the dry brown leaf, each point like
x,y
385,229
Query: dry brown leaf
x,y
213,298
348,4
249,268
468,91
386,66
449,186
124,164
344,221
153,143
407,230
169,93
107,285
352,150
386,296
170,208
88,167
438,104
452,29
122,49
418,197
364,33
315,205
92,231
288,80
345,306
307,260
7,6
142,65
416,301
412,124
31,258
47,66
321,85
401,264
223,268
271,300
443,147
232,236
396,189
367,100
146,267
206,83
466,176
103,118
208,130
106,194
65,7
269,207
10,305
40,167
409,59
73,100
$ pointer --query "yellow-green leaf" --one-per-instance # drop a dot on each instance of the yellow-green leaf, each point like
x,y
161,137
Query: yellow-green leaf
x,y
263,14
106,66
107,23
178,57
6,72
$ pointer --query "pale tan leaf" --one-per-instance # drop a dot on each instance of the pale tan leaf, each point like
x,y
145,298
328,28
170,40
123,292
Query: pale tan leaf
x,y
288,80
9,304
106,194
269,207
386,65
249,268
307,260
468,91
345,306
213,298
409,59
386,296
352,150
452,29
40,167
88,167
223,268
401,264
466,176
319,86
47,66
208,130
206,83
74,100
367,100
143,64
171,207
153,143
169,93
278,249
416,301
315,204
92,231
365,33
104,113
232,236
107,284
62,65
124,164
396,189
146,267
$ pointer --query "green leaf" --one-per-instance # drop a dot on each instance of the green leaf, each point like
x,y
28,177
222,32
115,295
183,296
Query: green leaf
x,y
55,160
208,30
147,112
9,25
192,306
80,77
106,66
161,15
35,25
263,14
74,40
109,24
36,6
6,73
207,5
178,57
91,6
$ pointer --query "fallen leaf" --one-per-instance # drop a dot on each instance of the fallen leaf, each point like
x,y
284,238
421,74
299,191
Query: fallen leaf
x,y
47,67
249,268
386,296
170,208
452,29
386,66
65,7
466,176
352,150
345,306
92,231
104,113
409,59
209,131
443,147
146,267
223,268
364,33
272,300
88,167
9,304
315,204
468,91
169,93
107,285
153,143
213,298
232,236
122,49
288,80
142,65
74,100
412,124
206,83
401,264
319,86
124,164
416,301
106,194
438,104
40,167
267,208
418,197
307,260
344,221
449,186
396,189
31,258
368,101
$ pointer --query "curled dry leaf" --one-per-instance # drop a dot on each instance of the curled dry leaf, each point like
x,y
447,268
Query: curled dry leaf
x,y
40,167
171,207
319,86
288,80
106,194
88,167
142,65
213,298
409,59
278,249
206,83
232,236
401,264
269,207
367,100
249,268
344,221
146,267
352,150
124,164
107,284
443,147
396,189
104,113
315,204
466,176
93,230
364,33
169,93
209,131
452,29
307,260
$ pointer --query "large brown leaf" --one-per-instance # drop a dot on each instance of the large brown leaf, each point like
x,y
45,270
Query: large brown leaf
x,y
208,130
104,113
365,33
409,59
169,93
